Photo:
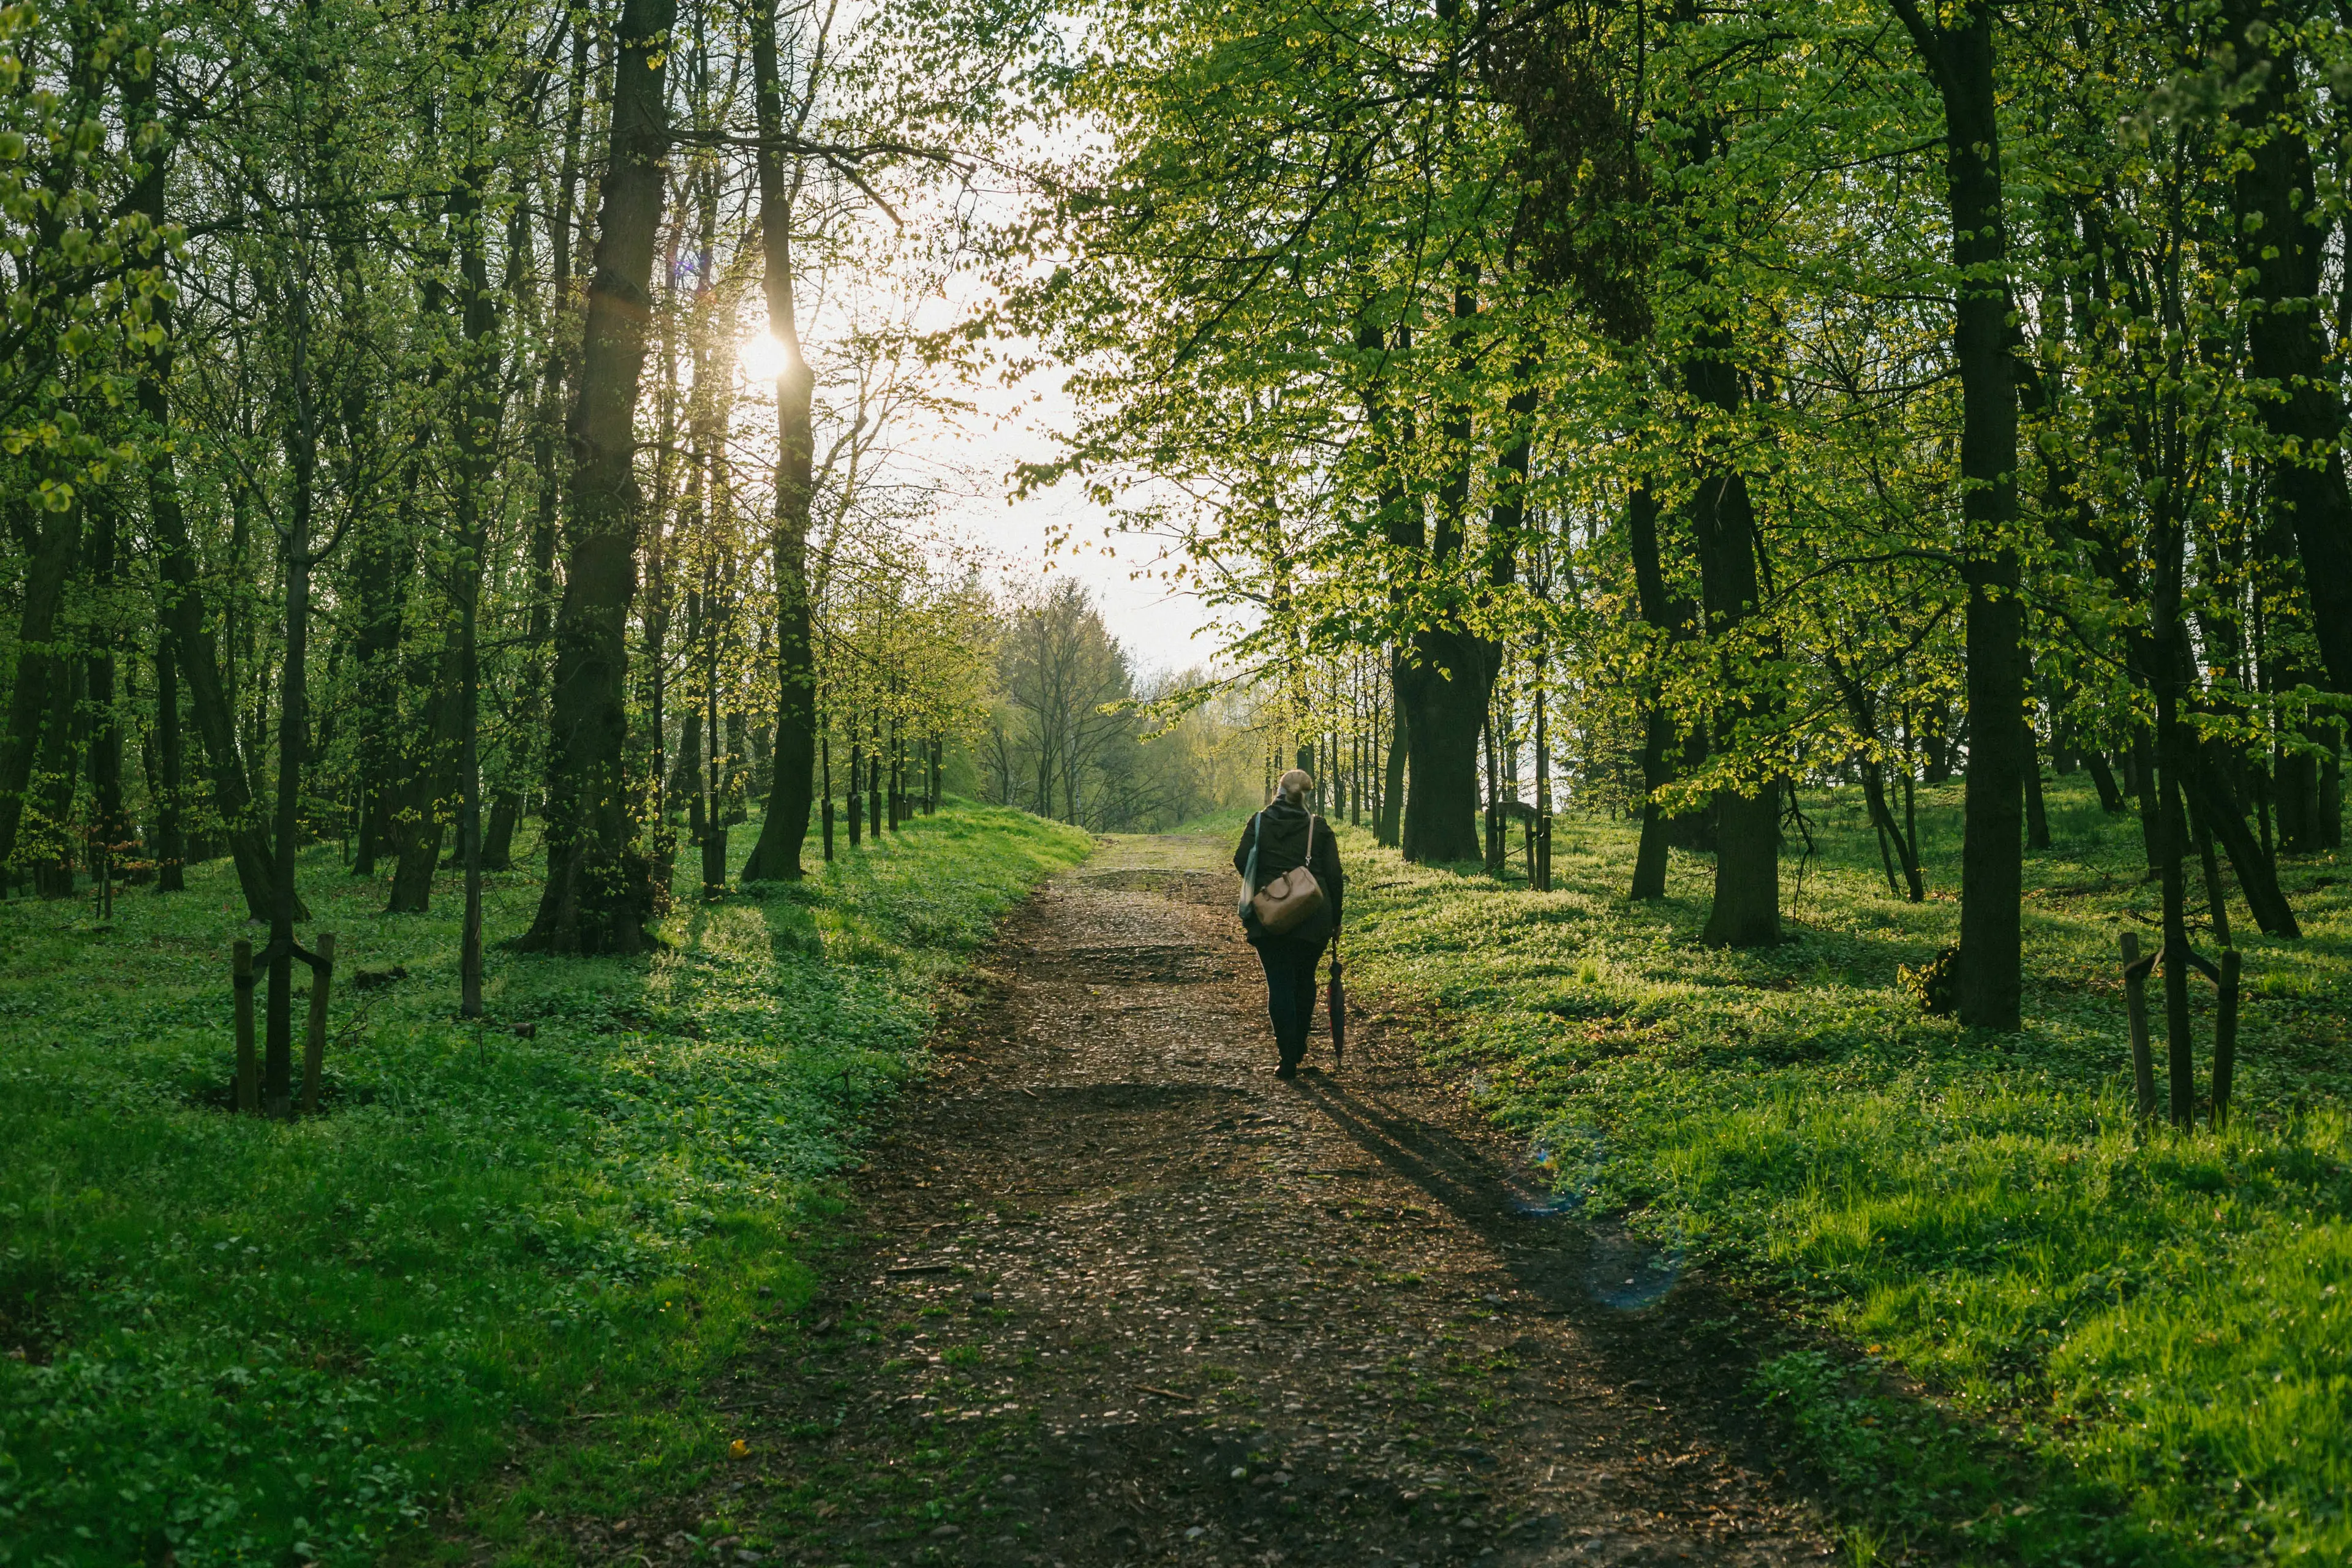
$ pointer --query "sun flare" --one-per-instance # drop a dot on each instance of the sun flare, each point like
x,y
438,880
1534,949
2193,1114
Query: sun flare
x,y
761,356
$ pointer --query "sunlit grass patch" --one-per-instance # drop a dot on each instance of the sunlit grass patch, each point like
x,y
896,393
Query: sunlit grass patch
x,y
2134,1346
234,1341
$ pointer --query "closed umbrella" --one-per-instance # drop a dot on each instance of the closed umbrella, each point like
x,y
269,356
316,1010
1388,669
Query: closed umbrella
x,y
1336,998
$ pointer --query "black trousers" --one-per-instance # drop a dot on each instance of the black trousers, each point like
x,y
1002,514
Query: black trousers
x,y
1291,967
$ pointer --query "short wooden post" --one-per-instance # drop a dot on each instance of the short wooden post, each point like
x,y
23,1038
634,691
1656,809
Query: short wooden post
x,y
2136,1011
249,1066
314,1046
2225,1039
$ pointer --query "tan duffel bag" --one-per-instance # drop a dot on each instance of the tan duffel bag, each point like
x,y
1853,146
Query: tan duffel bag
x,y
1283,905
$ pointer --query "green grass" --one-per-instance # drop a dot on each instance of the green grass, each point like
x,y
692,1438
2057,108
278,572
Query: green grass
x,y
248,1343
2028,1329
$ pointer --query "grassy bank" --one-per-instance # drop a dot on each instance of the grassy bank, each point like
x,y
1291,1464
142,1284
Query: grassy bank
x,y
2040,1333
238,1342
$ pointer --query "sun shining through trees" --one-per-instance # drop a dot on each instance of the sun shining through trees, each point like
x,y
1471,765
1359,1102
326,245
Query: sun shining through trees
x,y
763,359
1807,547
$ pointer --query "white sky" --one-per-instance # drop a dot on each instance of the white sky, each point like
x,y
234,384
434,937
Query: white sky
x,y
973,459
1164,628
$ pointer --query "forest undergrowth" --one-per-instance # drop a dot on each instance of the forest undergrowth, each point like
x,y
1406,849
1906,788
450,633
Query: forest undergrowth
x,y
232,1340
2026,1328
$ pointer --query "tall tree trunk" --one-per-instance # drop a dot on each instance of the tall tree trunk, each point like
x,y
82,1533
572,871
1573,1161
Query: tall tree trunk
x,y
55,779
404,771
477,431
2037,812
385,558
546,459
109,828
1392,771
2206,782
777,856
2297,395
2103,776
1445,684
57,547
183,606
426,799
1959,60
597,896
1669,619
856,801
170,850
293,716
1745,912
1896,845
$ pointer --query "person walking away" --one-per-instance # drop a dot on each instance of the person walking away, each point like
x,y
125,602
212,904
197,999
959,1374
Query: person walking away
x,y
1284,837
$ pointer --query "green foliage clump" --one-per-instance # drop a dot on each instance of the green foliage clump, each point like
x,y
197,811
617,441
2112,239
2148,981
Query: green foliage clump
x,y
236,1340
1930,985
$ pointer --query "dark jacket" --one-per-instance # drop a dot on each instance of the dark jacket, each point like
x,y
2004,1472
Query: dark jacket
x,y
1284,848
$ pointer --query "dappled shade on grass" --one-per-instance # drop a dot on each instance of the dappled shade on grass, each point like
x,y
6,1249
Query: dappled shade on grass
x,y
2150,1326
240,1339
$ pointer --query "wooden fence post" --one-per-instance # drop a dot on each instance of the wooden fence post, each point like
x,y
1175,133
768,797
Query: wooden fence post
x,y
2225,1038
2136,1010
248,1068
314,1048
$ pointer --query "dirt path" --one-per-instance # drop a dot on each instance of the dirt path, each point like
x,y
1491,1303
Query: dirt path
x,y
1125,1297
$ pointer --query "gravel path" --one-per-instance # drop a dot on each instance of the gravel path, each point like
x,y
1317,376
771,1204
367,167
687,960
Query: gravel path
x,y
1120,1296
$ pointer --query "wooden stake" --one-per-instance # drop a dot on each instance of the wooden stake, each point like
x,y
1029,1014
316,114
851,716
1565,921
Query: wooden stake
x,y
2225,1039
314,1048
2136,1009
249,1066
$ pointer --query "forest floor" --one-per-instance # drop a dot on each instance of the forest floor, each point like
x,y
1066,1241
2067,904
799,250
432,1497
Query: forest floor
x,y
1108,1291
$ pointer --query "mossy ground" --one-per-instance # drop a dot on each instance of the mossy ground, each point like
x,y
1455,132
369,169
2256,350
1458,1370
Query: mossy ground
x,y
231,1341
2138,1345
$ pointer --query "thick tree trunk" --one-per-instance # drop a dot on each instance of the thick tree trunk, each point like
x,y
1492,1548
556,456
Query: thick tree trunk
x,y
1450,676
2286,340
1960,59
597,897
1443,698
1747,908
777,856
